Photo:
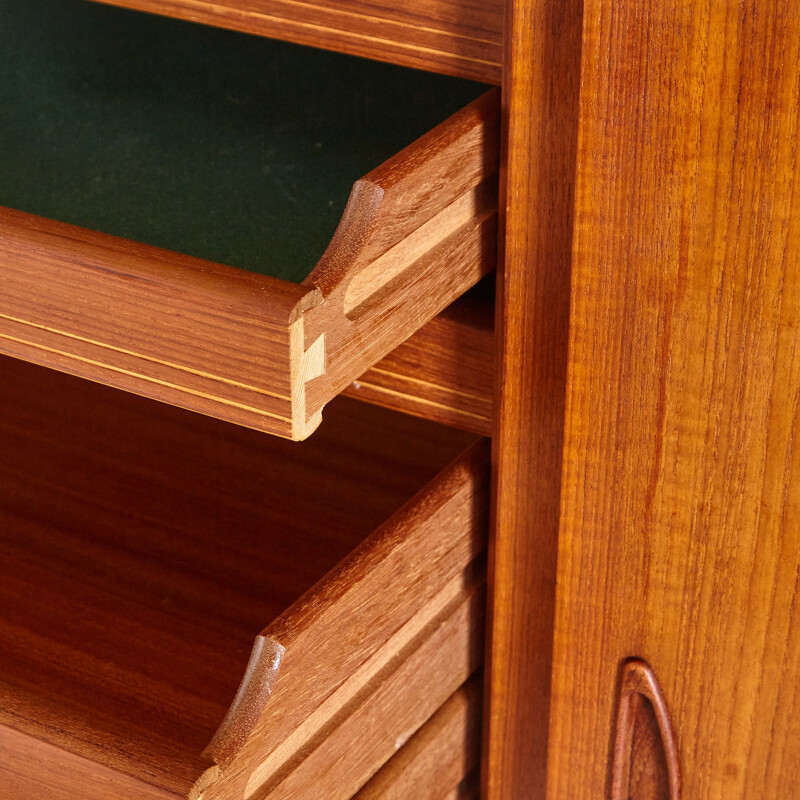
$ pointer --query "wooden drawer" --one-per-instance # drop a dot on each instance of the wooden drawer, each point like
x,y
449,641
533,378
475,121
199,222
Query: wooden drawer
x,y
145,547
135,125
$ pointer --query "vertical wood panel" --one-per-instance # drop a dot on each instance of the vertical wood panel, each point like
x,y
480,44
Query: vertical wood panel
x,y
540,116
679,540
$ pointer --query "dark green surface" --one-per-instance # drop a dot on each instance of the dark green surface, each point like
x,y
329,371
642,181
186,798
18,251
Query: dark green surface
x,y
230,147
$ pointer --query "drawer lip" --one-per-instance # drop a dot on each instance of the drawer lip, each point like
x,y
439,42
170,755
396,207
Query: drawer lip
x,y
246,348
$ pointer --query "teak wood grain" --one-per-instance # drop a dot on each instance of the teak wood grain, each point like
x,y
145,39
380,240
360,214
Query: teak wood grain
x,y
371,731
417,232
344,639
144,547
680,541
454,37
540,99
645,764
445,372
439,758
31,769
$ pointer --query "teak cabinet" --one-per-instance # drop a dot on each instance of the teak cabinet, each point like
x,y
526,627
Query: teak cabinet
x,y
628,542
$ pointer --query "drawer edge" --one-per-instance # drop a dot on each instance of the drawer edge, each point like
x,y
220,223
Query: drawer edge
x,y
331,633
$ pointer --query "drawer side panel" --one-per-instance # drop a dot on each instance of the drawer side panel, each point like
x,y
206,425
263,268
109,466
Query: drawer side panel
x,y
181,330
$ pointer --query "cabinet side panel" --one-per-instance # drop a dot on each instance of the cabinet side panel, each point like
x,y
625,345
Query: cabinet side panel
x,y
679,539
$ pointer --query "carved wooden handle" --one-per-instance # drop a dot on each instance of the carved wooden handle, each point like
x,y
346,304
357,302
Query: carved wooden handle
x,y
645,763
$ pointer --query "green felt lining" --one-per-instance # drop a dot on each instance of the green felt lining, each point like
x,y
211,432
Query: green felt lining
x,y
217,144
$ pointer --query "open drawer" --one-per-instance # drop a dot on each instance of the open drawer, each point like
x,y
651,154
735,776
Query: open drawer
x,y
177,147
146,548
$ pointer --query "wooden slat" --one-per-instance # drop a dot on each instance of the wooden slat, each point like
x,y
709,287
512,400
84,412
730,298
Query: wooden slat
x,y
370,730
179,329
541,101
144,547
435,761
454,37
444,372
340,637
680,537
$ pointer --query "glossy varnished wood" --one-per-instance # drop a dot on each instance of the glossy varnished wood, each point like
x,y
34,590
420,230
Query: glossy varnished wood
x,y
178,329
646,764
417,232
540,113
405,698
144,547
455,37
31,769
679,541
